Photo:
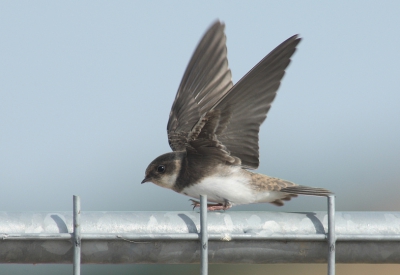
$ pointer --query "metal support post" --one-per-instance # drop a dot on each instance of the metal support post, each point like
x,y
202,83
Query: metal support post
x,y
331,235
204,234
77,235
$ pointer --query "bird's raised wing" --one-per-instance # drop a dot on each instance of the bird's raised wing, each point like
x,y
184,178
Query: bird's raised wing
x,y
206,80
246,105
242,110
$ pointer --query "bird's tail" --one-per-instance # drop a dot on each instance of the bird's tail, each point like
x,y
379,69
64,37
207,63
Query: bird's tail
x,y
306,190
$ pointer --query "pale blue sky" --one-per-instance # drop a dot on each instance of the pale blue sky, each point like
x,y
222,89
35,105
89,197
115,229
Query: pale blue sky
x,y
86,89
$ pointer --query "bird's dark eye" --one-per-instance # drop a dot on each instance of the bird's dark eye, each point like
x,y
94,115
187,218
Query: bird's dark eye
x,y
161,169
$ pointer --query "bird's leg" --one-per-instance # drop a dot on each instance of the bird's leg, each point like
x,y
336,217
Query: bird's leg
x,y
197,204
213,207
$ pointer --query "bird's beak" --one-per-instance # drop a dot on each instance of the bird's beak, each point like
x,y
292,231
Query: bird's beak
x,y
145,180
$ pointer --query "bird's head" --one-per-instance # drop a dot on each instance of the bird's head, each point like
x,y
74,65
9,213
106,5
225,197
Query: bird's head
x,y
164,170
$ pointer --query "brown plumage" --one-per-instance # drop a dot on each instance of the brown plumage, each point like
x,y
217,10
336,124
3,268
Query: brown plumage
x,y
213,129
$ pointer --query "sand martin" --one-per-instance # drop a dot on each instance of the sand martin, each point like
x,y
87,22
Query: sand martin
x,y
213,129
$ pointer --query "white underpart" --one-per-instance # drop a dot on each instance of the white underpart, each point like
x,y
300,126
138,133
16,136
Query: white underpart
x,y
235,188
168,181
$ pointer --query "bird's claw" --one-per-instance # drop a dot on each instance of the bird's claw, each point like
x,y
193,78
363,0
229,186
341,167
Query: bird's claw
x,y
213,207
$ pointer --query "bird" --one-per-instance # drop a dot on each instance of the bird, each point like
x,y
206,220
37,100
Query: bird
x,y
213,129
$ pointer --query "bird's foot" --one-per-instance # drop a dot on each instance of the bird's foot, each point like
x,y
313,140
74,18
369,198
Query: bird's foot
x,y
213,207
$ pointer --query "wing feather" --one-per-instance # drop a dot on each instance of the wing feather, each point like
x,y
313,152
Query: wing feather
x,y
208,112
206,79
246,105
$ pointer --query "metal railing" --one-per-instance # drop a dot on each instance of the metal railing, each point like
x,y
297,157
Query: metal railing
x,y
175,237
331,237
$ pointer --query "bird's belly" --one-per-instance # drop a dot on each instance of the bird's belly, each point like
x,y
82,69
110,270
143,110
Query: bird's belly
x,y
235,189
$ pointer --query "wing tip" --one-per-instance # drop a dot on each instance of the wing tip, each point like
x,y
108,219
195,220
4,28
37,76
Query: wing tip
x,y
217,24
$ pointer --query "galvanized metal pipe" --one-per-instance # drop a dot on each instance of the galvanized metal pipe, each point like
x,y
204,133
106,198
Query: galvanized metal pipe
x,y
196,237
204,235
331,235
173,237
77,235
